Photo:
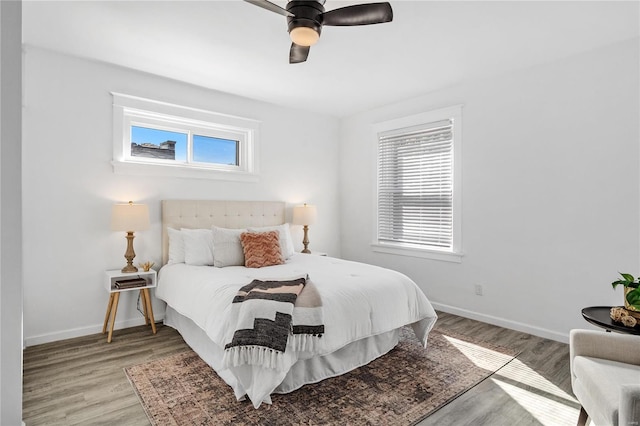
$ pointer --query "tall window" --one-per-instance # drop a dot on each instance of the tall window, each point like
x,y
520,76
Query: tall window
x,y
418,182
158,138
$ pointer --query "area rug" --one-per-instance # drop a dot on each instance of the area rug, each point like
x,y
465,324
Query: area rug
x,y
400,388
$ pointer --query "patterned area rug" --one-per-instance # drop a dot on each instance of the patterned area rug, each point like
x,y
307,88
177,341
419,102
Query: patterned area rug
x,y
400,388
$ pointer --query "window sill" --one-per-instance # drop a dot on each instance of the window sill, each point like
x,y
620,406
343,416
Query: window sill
x,y
421,253
167,170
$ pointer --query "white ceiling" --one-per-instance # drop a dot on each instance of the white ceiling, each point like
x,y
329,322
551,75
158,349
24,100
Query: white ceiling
x,y
235,47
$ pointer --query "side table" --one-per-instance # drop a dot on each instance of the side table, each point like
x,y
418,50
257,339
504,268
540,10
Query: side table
x,y
115,275
599,316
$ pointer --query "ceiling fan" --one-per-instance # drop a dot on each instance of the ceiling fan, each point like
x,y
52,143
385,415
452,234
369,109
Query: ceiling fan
x,y
306,18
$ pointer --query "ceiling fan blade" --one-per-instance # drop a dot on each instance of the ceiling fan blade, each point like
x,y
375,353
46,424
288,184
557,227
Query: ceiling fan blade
x,y
270,6
360,14
298,53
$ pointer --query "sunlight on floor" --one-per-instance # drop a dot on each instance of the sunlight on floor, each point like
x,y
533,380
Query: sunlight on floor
x,y
519,372
548,411
482,357
545,401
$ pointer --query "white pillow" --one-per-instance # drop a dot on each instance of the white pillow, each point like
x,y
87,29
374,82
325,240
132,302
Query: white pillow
x,y
198,246
286,243
176,246
227,247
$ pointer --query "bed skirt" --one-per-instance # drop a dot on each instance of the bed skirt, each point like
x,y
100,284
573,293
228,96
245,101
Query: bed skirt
x,y
304,371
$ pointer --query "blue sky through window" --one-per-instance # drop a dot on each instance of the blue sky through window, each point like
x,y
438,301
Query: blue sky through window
x,y
205,149
214,150
141,135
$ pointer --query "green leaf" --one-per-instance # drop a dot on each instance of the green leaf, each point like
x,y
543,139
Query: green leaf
x,y
635,305
628,277
633,298
619,282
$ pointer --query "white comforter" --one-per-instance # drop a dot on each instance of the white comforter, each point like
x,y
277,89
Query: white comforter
x,y
359,301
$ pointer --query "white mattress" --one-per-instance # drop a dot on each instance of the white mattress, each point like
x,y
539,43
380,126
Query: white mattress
x,y
359,301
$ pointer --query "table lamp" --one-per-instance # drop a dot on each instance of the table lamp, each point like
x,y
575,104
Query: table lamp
x,y
129,218
305,215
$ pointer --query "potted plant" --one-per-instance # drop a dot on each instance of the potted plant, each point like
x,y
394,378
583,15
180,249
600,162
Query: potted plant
x,y
631,293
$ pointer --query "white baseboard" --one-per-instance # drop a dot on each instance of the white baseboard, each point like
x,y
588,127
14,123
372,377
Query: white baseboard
x,y
82,331
513,325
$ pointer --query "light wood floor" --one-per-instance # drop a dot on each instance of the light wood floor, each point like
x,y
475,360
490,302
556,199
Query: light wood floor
x,y
81,382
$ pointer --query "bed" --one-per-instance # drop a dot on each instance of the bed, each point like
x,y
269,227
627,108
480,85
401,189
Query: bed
x,y
363,306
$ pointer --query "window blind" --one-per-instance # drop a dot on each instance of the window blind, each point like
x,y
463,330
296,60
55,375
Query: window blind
x,y
415,186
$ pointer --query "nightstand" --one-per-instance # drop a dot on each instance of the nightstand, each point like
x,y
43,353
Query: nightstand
x,y
319,253
117,282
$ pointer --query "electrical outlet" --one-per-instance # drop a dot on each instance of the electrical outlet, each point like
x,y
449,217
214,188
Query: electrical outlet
x,y
478,289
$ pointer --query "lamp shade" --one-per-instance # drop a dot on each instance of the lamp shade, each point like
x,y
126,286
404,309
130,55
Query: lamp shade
x,y
304,215
129,217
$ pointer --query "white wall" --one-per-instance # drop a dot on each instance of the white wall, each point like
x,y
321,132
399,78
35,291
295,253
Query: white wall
x,y
550,191
69,185
551,188
10,214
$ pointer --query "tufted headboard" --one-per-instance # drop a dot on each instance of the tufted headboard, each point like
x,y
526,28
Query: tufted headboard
x,y
225,214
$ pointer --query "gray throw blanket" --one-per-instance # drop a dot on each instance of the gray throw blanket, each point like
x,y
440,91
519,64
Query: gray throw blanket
x,y
268,316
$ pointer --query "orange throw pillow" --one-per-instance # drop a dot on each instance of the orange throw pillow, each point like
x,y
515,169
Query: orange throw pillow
x,y
261,249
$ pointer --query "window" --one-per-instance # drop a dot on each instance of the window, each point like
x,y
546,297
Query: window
x,y
418,185
158,138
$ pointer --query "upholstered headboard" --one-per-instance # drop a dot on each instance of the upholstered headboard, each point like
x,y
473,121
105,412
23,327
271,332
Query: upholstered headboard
x,y
225,214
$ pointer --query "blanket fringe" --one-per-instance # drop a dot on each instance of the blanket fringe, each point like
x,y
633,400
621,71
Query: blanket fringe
x,y
305,342
253,355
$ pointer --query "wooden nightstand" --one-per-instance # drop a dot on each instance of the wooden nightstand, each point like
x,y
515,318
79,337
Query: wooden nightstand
x,y
112,280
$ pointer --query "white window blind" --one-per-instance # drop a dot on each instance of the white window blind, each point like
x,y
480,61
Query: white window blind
x,y
415,186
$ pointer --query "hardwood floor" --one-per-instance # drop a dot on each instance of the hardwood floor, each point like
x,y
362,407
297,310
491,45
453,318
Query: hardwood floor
x,y
533,389
81,382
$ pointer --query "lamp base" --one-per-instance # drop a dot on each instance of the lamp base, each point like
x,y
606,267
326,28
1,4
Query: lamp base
x,y
305,240
129,254
129,268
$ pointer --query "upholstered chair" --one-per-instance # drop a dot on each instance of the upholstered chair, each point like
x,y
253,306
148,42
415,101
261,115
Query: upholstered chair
x,y
605,377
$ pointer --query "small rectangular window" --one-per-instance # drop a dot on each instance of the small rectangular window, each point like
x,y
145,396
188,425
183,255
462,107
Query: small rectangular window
x,y
157,138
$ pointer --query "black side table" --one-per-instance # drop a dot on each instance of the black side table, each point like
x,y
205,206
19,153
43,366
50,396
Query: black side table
x,y
599,316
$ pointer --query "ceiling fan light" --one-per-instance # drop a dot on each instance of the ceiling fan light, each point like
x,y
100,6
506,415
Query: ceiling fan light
x,y
304,36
